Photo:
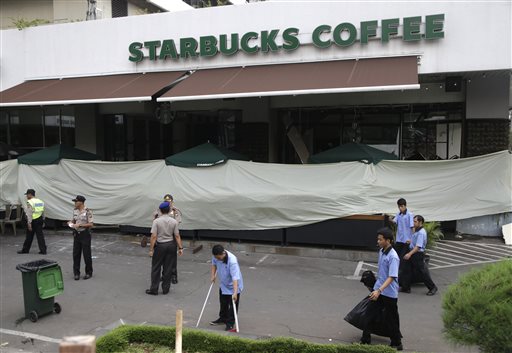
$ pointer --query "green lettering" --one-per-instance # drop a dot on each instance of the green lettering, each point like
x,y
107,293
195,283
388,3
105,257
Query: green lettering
x,y
268,40
208,46
344,27
316,36
244,43
137,54
389,27
290,41
412,28
224,44
152,45
188,47
434,26
368,29
168,50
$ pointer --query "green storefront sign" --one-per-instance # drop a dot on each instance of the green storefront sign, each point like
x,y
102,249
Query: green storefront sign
x,y
343,35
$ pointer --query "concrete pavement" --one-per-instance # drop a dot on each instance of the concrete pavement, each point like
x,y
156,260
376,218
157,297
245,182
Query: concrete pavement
x,y
285,295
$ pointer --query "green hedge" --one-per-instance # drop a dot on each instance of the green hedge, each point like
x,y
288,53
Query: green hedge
x,y
199,341
478,309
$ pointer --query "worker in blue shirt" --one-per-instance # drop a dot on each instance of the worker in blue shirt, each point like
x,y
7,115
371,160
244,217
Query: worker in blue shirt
x,y
414,260
404,220
225,267
385,290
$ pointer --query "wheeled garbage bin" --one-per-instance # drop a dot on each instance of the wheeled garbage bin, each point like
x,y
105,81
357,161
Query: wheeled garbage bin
x,y
42,281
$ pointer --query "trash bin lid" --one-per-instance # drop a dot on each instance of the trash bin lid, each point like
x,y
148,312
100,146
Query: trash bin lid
x,y
35,266
50,282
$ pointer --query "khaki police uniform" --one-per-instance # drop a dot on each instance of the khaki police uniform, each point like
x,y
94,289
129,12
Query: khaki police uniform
x,y
164,253
82,241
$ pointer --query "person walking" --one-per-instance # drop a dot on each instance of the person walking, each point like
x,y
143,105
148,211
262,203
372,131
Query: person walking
x,y
385,290
34,212
414,260
81,223
404,220
225,267
165,237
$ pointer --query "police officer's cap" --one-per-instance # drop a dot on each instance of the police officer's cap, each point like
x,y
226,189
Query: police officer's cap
x,y
79,198
164,205
31,192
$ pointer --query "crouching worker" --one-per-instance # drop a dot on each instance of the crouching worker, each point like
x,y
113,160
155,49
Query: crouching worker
x,y
225,267
378,313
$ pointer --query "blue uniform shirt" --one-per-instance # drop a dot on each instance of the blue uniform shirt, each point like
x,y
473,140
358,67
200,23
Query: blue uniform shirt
x,y
227,273
388,267
419,239
404,223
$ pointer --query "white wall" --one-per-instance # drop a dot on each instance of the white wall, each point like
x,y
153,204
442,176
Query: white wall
x,y
477,37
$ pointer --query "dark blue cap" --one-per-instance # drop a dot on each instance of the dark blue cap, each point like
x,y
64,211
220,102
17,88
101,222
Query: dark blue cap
x,y
164,205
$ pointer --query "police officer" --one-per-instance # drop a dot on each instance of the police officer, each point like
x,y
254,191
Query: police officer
x,y
34,211
81,223
176,214
164,238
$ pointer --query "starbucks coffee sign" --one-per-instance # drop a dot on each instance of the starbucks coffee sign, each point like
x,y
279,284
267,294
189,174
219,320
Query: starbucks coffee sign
x,y
345,34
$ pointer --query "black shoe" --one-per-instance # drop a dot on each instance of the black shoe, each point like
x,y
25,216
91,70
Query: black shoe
x,y
42,253
87,276
230,328
77,277
219,321
402,290
432,291
150,292
22,252
398,347
174,280
165,291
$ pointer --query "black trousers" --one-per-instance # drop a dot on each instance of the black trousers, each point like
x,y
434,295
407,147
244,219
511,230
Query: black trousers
x,y
416,264
37,229
401,249
163,260
226,308
390,307
82,245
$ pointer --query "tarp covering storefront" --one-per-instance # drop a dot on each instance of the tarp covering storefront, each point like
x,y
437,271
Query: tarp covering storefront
x,y
246,195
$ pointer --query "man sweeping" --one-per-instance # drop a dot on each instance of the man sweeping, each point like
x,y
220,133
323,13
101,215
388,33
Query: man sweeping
x,y
225,267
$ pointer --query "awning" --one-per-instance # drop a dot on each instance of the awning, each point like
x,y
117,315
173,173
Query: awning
x,y
93,89
379,74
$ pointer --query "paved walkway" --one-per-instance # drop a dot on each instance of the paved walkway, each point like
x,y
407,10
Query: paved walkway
x,y
285,295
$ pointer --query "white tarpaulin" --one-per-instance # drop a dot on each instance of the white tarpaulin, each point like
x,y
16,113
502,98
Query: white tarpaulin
x,y
246,195
8,183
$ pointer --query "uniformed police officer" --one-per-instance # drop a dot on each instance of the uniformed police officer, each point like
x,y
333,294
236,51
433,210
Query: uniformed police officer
x,y
176,214
164,238
34,211
81,223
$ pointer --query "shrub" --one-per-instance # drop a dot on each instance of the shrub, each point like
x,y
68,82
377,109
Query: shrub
x,y
478,309
434,233
118,340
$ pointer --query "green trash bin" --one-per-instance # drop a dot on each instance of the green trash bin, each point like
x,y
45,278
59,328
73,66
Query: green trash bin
x,y
42,281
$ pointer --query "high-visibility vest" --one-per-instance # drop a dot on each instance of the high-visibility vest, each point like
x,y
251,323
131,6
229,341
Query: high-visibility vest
x,y
37,207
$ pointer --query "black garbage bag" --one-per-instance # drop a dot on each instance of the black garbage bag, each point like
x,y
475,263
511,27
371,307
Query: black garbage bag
x,y
369,315
368,279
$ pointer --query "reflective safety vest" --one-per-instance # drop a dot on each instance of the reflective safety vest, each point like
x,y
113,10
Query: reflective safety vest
x,y
37,207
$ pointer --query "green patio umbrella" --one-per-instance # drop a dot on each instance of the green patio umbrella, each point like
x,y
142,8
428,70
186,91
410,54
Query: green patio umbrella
x,y
205,155
53,155
351,152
